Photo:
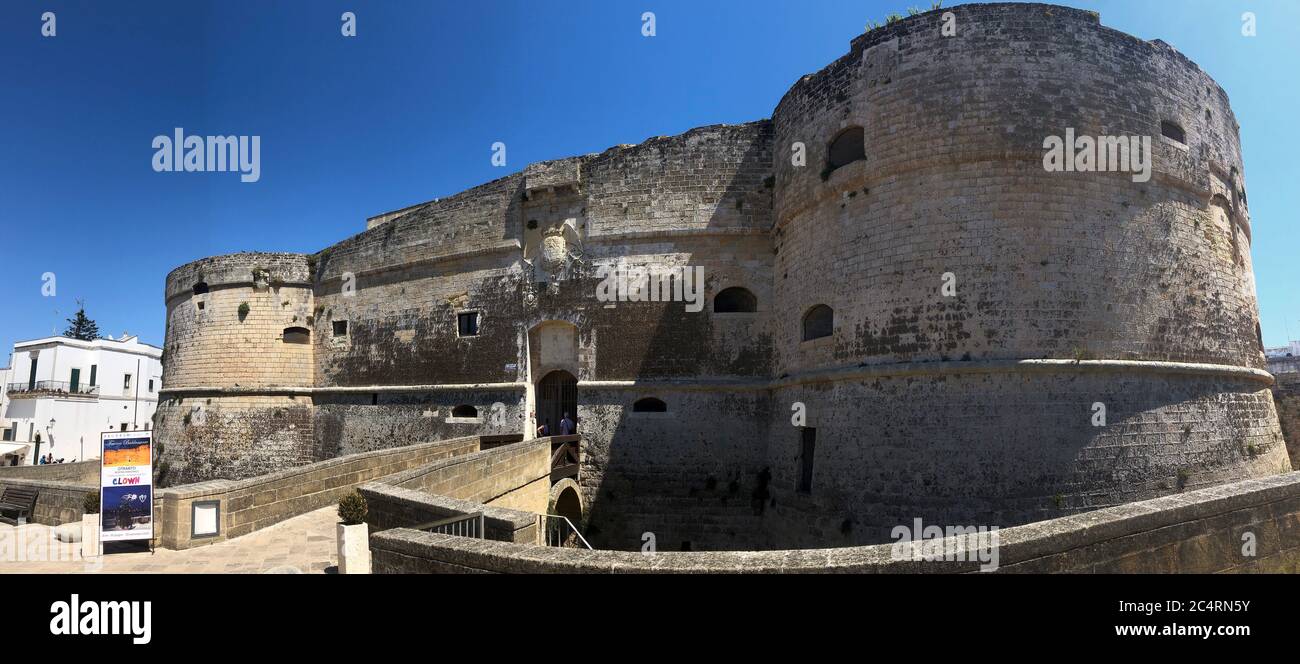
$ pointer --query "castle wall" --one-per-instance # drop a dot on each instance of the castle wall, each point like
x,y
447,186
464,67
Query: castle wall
x,y
1007,447
1072,290
351,422
1069,266
236,400
1046,264
691,474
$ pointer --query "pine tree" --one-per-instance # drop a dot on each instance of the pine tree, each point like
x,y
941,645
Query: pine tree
x,y
81,327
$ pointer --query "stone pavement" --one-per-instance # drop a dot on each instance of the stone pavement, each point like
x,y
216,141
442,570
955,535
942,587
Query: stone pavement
x,y
303,544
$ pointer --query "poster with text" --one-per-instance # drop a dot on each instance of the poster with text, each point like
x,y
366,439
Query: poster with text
x,y
126,486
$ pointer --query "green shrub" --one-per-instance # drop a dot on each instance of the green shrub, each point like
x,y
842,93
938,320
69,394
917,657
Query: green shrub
x,y
90,502
243,311
352,509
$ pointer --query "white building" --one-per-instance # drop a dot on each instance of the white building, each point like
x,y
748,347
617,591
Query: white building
x,y
61,393
1292,349
6,434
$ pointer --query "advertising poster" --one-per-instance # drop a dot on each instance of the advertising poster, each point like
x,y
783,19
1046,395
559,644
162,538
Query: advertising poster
x,y
126,486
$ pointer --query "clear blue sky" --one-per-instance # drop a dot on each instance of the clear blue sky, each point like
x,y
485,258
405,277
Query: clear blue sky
x,y
408,109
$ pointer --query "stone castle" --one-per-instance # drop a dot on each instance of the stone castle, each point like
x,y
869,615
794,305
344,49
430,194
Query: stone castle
x,y
917,319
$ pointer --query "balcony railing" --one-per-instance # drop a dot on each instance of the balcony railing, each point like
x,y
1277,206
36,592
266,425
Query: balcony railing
x,y
55,388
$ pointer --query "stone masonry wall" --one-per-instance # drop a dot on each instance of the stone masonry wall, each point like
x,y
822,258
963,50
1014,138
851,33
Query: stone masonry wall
x,y
217,436
1286,394
515,476
82,472
1071,290
1075,267
1007,448
217,418
1046,264
57,502
688,476
255,503
1198,532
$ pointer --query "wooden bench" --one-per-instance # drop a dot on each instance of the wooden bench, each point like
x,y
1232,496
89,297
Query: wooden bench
x,y
20,502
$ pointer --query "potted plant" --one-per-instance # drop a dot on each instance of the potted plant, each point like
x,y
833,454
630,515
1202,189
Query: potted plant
x,y
90,525
353,535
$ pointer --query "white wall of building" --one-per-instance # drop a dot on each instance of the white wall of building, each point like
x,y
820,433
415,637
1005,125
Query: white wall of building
x,y
119,403
4,401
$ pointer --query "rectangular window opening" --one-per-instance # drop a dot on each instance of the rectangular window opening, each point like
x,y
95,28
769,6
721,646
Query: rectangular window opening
x,y
467,324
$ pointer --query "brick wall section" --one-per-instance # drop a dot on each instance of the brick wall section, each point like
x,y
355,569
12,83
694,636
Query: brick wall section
x,y
56,502
252,504
1196,532
81,473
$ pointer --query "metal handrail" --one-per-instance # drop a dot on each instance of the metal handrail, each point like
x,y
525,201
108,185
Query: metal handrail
x,y
562,523
461,525
51,387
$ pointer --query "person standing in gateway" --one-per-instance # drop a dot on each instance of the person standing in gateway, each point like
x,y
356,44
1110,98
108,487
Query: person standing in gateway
x,y
566,425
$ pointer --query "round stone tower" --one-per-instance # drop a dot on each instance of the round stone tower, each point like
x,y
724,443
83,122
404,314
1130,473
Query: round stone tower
x,y
1009,342
237,367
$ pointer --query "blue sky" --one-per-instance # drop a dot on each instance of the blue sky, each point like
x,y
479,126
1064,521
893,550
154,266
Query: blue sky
x,y
408,109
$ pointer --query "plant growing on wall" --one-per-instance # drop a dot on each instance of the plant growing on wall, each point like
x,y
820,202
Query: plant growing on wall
x,y
352,509
243,311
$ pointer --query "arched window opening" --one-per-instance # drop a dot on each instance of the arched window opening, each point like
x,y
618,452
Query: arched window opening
x,y
1173,131
464,410
818,322
735,300
649,405
297,335
847,147
201,288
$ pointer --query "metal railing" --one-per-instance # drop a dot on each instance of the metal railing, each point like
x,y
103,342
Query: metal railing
x,y
556,530
463,525
52,387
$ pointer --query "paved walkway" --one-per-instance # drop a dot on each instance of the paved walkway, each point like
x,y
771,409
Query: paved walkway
x,y
303,544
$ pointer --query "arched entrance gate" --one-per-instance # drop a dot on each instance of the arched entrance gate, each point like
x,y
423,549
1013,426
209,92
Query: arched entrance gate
x,y
557,394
